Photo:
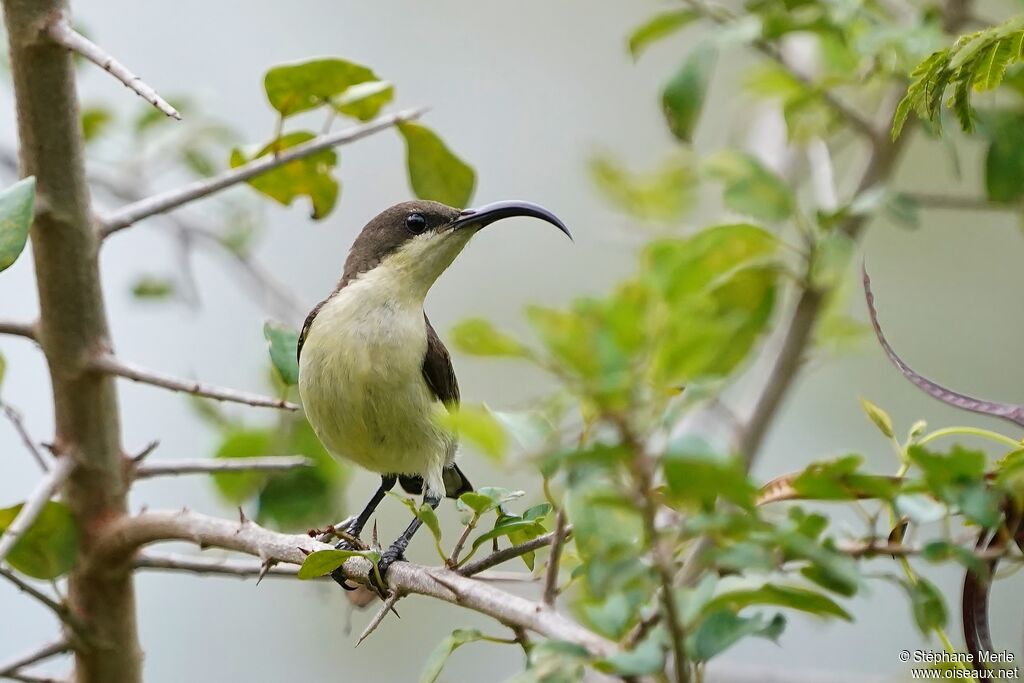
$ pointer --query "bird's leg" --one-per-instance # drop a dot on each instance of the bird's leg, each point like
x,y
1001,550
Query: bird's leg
x,y
396,551
387,482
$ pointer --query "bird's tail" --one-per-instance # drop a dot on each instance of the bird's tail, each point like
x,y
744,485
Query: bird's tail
x,y
455,482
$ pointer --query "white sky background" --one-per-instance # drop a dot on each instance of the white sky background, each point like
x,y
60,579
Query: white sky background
x,y
525,92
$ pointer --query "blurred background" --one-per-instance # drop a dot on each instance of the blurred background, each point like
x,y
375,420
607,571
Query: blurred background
x,y
526,92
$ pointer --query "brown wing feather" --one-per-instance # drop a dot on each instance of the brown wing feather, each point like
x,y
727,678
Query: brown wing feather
x,y
437,368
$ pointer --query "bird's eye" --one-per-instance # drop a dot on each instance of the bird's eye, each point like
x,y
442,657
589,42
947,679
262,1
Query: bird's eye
x,y
416,223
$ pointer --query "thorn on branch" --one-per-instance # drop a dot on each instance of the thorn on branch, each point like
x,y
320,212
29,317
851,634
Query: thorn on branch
x,y
146,451
114,366
388,606
17,421
60,31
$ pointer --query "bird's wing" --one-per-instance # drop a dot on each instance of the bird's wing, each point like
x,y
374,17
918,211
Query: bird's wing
x,y
305,328
437,369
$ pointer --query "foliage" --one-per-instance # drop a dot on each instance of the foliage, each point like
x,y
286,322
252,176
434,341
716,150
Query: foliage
x,y
16,208
976,62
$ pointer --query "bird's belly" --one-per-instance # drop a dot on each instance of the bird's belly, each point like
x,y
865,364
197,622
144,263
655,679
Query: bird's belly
x,y
364,394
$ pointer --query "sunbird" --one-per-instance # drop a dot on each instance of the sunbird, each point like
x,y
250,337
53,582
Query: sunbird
x,y
373,373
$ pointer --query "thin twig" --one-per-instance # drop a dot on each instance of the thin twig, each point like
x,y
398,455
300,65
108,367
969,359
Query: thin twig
x,y
114,366
35,503
202,565
551,577
38,655
507,554
388,606
172,199
61,32
29,678
17,421
59,609
18,329
270,463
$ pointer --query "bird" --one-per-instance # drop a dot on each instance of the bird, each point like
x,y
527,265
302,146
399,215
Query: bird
x,y
373,373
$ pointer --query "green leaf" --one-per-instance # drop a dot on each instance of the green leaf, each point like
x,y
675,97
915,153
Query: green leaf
x,y
943,551
16,211
477,425
722,629
49,548
434,171
95,120
801,599
444,650
480,338
878,416
927,604
1004,160
506,526
283,343
683,97
660,195
3,369
646,658
365,100
487,498
840,479
750,187
152,288
238,487
295,88
322,562
697,475
958,479
309,176
659,27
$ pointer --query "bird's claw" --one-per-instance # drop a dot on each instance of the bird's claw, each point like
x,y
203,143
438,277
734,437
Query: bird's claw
x,y
339,574
378,575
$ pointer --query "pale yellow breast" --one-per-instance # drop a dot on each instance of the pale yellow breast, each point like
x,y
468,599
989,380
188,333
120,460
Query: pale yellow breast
x,y
361,383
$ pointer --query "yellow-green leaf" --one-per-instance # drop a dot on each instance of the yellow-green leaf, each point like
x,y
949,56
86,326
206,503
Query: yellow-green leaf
x,y
477,425
658,27
294,88
878,416
310,176
480,338
365,100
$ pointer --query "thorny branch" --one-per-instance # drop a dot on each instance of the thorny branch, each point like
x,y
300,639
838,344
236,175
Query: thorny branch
x,y
114,366
61,32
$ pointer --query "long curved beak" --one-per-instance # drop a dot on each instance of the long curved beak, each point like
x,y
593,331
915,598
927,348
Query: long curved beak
x,y
495,211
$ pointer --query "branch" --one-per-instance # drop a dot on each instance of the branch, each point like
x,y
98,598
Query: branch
x,y
114,366
501,556
50,650
121,538
203,566
551,577
59,609
271,463
60,32
35,503
19,426
172,199
17,329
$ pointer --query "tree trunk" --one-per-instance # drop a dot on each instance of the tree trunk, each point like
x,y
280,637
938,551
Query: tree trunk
x,y
73,328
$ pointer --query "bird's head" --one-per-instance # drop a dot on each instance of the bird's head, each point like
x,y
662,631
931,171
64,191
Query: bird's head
x,y
417,240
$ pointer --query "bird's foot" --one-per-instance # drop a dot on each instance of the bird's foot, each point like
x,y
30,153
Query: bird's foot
x,y
351,543
378,575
